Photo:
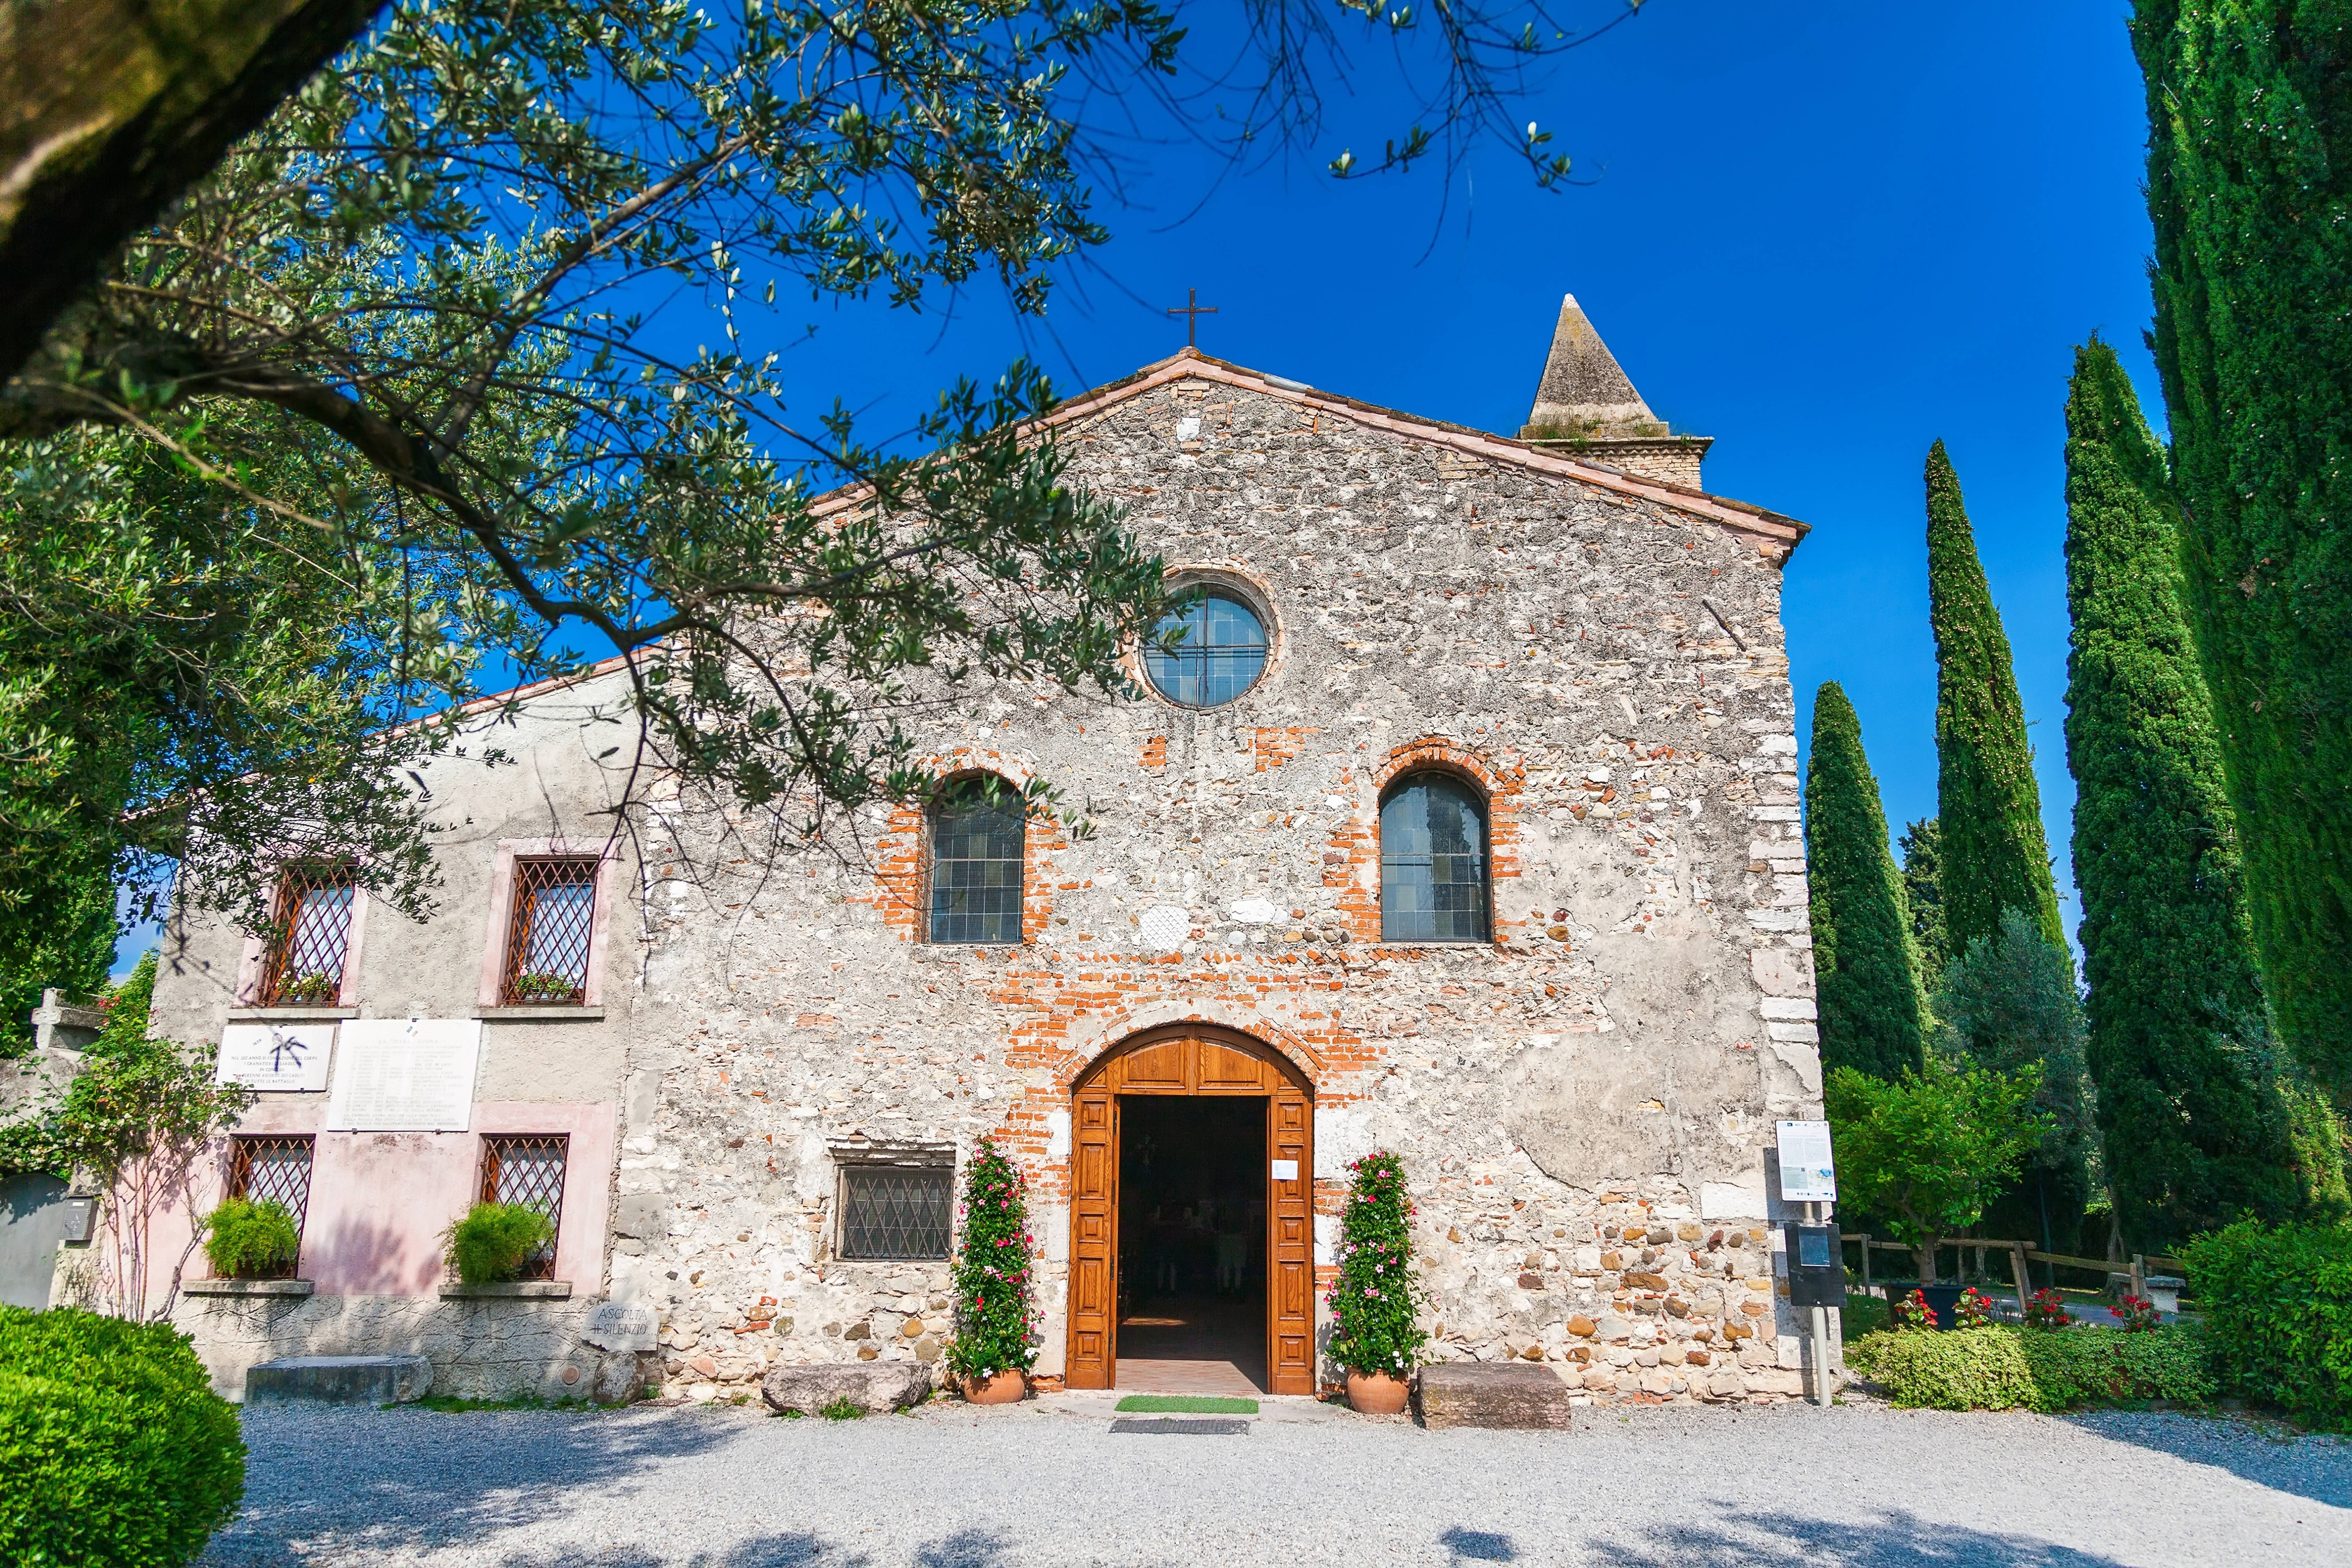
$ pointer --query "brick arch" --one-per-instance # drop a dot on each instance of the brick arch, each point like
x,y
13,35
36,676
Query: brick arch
x,y
1437,754
1359,841
902,849
1235,1038
1084,1057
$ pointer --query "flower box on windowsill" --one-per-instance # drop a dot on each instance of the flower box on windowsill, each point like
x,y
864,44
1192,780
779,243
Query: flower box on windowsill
x,y
291,1012
552,1012
247,1288
512,1289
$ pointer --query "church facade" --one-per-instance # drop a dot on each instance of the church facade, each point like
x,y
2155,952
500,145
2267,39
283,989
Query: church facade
x,y
1462,824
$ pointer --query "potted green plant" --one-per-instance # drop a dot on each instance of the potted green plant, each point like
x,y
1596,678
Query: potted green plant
x,y
309,990
489,1244
1375,1303
249,1240
543,988
996,1342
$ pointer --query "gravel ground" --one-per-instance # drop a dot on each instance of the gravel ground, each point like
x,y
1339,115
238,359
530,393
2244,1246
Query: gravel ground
x,y
1048,1482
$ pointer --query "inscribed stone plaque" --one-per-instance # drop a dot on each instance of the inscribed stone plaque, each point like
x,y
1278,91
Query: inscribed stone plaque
x,y
405,1075
278,1056
622,1326
1807,1172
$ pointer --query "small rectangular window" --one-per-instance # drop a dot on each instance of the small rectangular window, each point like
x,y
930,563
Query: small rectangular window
x,y
527,1169
547,932
273,1170
313,942
897,1212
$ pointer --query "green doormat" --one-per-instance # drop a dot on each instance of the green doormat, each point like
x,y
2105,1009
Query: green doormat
x,y
1185,1404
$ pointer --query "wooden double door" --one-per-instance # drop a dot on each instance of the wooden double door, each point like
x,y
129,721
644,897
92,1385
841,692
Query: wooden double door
x,y
1192,1060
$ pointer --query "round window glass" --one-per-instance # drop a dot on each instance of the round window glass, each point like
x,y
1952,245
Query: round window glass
x,y
1219,657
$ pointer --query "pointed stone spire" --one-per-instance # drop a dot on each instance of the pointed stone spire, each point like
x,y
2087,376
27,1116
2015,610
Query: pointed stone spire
x,y
1586,407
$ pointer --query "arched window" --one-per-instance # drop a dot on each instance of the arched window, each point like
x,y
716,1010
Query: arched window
x,y
1433,860
977,838
1220,656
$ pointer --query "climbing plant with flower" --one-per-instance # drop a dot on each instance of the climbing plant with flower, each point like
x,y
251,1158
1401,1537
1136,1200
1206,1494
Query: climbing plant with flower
x,y
1376,1302
996,1323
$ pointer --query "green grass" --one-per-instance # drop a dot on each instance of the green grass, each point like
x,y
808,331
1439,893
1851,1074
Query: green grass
x,y
1863,1314
1185,1404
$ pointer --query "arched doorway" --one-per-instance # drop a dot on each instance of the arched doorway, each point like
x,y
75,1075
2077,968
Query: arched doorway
x,y
1200,1061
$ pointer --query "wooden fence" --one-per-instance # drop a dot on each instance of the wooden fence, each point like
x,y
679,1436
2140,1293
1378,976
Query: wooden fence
x,y
2021,1258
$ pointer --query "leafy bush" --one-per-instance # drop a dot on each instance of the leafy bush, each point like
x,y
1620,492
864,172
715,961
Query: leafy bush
x,y
2278,1313
1927,1152
249,1240
2004,1367
1375,1304
115,1449
494,1240
995,1329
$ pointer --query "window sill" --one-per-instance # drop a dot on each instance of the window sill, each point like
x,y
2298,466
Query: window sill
x,y
515,1289
247,1287
290,1013
576,1012
940,952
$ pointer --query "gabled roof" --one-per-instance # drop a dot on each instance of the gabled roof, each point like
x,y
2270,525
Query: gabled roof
x,y
1773,535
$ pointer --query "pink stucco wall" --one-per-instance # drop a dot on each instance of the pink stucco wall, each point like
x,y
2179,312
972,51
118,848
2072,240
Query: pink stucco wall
x,y
379,1201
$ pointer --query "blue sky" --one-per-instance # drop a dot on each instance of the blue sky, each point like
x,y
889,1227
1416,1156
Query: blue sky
x,y
1826,234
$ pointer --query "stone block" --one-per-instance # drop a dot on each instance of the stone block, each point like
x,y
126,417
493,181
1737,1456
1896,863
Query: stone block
x,y
873,1386
1478,1393
339,1380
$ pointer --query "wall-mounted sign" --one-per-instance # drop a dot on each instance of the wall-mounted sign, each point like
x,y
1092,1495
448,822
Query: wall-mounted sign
x,y
622,1326
1808,1173
277,1056
405,1075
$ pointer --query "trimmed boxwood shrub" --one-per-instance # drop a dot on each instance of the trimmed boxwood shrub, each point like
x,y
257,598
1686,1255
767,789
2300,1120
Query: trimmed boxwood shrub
x,y
2004,1367
114,1450
2277,1303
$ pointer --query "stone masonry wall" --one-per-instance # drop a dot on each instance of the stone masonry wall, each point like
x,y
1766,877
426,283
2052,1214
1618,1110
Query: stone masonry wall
x,y
1584,1107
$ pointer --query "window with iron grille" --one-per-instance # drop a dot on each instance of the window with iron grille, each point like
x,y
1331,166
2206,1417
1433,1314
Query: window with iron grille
x,y
553,917
977,844
314,939
527,1169
273,1170
1433,861
897,1211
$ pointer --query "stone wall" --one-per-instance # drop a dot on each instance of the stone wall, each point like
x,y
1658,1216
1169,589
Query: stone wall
x,y
1584,1107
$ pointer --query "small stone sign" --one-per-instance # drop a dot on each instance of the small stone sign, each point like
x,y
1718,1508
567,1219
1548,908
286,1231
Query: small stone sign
x,y
276,1056
405,1075
622,1326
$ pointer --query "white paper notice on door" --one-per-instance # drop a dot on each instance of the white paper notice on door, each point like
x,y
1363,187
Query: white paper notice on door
x,y
405,1075
1285,1170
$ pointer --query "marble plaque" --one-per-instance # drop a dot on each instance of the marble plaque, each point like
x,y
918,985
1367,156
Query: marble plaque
x,y
622,1326
276,1056
405,1075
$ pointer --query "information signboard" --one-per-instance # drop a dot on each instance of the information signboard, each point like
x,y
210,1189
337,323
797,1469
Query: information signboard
x,y
1808,1173
405,1075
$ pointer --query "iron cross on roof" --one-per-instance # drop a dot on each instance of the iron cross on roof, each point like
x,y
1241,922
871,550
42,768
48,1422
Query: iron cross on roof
x,y
1192,310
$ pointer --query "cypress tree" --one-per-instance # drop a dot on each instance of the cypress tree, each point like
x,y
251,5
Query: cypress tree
x,y
2249,188
1868,988
1923,847
1989,808
2197,1130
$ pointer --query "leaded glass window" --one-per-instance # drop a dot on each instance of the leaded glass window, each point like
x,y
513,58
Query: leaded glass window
x,y
1220,656
896,1211
978,839
1433,861
313,942
553,917
527,1169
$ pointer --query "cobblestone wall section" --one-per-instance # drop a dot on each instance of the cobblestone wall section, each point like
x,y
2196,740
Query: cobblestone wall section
x,y
1583,1105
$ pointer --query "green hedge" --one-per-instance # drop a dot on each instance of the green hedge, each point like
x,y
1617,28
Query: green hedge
x,y
2005,1367
114,1450
2277,1302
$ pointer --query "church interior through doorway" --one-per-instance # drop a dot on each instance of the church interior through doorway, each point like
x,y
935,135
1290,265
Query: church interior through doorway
x,y
1193,1254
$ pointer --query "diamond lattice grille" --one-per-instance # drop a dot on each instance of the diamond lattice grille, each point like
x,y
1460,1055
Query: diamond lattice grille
x,y
273,1170
528,1170
547,940
896,1211
314,939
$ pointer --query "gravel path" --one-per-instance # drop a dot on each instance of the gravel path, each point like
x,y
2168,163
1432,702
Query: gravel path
x,y
1049,1483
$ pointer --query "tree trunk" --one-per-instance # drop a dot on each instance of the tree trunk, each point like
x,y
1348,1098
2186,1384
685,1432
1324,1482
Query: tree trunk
x,y
110,108
1923,1259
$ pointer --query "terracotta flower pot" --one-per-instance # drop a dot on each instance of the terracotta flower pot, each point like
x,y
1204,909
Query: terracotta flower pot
x,y
1376,1393
1003,1388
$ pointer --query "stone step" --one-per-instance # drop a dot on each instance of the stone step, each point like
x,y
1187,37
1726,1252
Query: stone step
x,y
340,1380
1495,1394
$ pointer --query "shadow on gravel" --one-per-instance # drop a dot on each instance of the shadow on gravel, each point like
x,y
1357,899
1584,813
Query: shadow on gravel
x,y
1478,1546
791,1550
2320,1468
423,1480
1896,1540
